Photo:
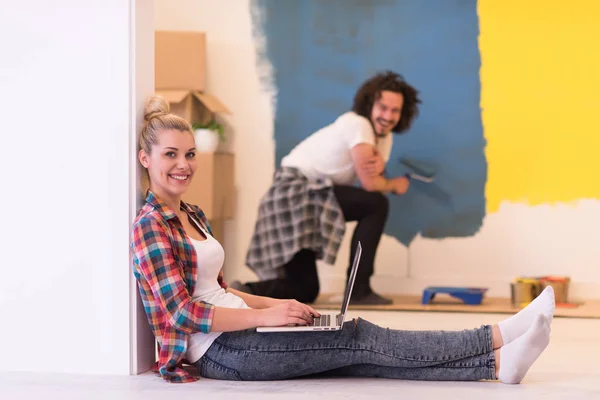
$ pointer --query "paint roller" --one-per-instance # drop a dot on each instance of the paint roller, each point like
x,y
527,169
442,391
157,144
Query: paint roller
x,y
419,170
426,172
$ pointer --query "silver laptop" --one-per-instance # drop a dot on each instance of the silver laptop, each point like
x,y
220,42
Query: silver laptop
x,y
326,322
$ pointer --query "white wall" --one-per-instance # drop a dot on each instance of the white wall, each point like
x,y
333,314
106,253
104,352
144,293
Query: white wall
x,y
516,240
66,118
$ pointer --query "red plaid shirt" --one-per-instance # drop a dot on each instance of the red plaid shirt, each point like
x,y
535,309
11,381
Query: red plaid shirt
x,y
165,266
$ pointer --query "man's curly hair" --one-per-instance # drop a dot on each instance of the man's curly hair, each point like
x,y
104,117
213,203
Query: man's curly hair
x,y
370,91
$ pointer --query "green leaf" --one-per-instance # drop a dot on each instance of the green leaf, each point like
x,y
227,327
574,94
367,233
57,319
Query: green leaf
x,y
213,126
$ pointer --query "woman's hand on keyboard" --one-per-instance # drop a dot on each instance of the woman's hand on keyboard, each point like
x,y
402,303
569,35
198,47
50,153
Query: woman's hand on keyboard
x,y
288,312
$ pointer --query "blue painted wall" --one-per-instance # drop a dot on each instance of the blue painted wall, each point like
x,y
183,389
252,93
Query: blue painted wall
x,y
322,51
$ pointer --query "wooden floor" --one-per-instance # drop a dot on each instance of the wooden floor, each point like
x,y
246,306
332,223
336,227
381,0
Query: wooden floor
x,y
445,303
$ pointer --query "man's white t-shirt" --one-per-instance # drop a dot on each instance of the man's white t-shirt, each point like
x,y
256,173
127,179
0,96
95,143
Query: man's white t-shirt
x,y
327,152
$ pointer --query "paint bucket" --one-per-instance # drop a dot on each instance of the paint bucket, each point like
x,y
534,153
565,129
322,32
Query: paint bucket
x,y
560,284
524,290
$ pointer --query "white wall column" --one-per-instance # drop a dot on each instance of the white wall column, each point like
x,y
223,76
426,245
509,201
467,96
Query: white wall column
x,y
70,90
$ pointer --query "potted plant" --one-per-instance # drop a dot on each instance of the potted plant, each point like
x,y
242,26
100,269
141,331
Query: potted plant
x,y
207,136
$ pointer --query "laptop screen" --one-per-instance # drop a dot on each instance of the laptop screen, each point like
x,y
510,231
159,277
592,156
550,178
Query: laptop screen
x,y
351,278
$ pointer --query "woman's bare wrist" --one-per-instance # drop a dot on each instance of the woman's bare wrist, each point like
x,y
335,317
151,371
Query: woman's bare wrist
x,y
258,317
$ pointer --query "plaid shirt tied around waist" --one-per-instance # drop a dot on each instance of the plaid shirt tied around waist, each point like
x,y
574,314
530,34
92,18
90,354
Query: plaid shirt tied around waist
x,y
296,213
165,267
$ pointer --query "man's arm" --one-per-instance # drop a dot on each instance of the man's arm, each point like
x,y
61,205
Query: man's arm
x,y
362,154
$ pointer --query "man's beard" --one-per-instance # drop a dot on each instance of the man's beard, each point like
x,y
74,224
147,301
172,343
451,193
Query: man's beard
x,y
388,124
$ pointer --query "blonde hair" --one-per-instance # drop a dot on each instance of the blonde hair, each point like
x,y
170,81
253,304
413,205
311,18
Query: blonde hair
x,y
157,118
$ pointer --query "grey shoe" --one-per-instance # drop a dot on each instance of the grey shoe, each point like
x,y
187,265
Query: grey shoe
x,y
372,299
237,285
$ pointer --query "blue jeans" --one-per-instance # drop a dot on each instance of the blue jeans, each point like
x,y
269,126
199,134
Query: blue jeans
x,y
359,349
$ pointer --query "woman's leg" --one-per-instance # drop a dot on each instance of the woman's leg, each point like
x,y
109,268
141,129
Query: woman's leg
x,y
468,369
248,355
300,281
362,348
517,344
370,210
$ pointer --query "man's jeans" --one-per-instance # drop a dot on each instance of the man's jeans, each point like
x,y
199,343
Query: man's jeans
x,y
359,349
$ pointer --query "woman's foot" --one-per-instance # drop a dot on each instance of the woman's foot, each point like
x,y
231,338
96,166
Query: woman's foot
x,y
518,324
517,357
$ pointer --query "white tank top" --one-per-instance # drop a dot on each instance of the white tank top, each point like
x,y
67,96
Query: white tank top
x,y
210,256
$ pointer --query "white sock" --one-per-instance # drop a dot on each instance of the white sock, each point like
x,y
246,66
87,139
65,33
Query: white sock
x,y
517,357
518,324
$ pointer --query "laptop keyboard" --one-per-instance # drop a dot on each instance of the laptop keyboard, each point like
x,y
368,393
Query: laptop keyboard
x,y
323,320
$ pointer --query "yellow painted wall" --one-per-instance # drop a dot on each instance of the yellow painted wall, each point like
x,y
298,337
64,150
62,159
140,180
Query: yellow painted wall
x,y
540,99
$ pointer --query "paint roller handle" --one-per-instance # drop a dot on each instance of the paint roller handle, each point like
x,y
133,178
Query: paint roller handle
x,y
412,176
420,170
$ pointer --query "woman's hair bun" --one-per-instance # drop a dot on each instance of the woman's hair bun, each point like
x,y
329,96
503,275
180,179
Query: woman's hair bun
x,y
155,107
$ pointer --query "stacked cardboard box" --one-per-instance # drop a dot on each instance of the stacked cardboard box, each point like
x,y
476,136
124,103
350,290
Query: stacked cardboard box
x,y
180,78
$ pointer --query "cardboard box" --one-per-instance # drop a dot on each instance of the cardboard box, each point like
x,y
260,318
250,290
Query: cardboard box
x,y
180,76
212,188
193,106
180,60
